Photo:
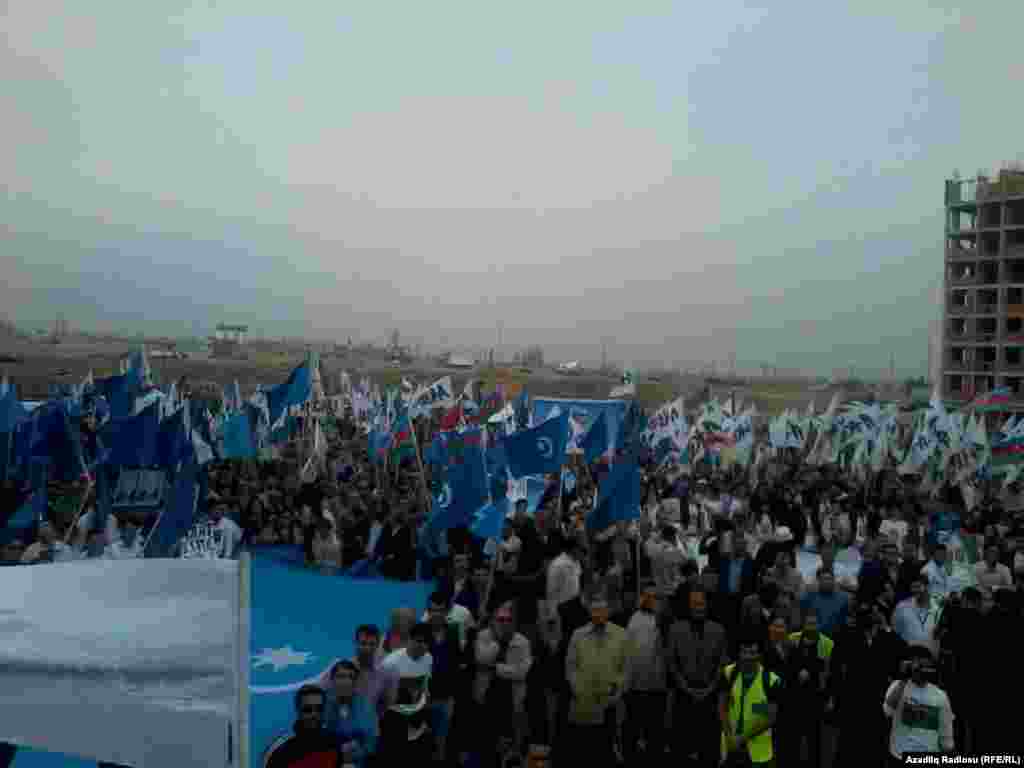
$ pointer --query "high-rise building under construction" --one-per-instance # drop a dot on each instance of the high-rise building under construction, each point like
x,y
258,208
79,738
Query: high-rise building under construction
x,y
983,315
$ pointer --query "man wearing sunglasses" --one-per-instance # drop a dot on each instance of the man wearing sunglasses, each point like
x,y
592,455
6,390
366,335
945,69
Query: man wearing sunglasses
x,y
311,746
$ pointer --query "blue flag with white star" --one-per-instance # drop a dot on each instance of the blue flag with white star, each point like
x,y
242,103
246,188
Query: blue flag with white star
x,y
294,640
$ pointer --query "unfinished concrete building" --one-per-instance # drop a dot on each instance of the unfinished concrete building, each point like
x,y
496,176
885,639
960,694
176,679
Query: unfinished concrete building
x,y
983,330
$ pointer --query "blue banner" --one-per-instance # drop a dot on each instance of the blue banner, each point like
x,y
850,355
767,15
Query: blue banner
x,y
296,636
582,414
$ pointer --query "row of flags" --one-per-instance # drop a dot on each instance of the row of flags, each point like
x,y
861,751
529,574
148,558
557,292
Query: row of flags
x,y
139,426
473,477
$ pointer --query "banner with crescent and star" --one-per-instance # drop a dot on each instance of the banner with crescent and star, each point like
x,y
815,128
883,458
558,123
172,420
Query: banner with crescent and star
x,y
581,415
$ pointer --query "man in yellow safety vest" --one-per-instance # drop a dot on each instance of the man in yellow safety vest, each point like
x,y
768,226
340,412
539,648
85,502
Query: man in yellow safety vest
x,y
748,707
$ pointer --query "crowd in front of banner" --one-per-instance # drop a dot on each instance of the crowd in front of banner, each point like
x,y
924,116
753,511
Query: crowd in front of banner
x,y
612,587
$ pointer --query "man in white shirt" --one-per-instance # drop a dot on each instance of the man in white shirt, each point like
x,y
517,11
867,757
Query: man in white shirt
x,y
563,578
230,533
922,718
914,619
412,666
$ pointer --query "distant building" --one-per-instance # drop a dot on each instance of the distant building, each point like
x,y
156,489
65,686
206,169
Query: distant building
x,y
229,341
231,333
460,361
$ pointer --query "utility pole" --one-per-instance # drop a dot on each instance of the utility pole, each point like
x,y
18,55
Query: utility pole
x,y
500,329
892,366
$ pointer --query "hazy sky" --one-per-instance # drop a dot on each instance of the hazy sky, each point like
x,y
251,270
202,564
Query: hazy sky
x,y
694,182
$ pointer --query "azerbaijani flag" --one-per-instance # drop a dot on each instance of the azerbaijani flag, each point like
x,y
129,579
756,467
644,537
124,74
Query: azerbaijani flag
x,y
403,444
995,400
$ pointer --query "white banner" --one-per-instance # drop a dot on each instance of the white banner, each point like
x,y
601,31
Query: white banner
x,y
128,661
669,421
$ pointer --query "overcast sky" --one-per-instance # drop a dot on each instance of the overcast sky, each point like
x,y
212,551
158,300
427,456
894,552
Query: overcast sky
x,y
693,182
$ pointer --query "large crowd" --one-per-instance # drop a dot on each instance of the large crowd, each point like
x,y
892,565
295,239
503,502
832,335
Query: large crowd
x,y
688,635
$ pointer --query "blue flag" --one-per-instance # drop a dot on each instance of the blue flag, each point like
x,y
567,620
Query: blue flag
x,y
119,392
11,411
133,442
618,496
496,459
295,391
489,521
295,641
540,450
238,437
595,442
379,446
56,439
179,512
462,486
173,444
537,492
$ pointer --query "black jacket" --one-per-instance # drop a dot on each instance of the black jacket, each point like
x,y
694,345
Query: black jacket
x,y
318,749
397,551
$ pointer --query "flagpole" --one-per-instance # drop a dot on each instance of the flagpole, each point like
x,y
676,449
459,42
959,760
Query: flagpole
x,y
419,463
81,509
8,450
159,517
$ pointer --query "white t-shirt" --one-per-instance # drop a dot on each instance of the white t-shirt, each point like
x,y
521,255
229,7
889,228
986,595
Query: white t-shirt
x,y
404,666
921,722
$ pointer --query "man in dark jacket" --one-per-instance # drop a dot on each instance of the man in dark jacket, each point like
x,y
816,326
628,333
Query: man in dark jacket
x,y
397,548
311,746
862,666
697,649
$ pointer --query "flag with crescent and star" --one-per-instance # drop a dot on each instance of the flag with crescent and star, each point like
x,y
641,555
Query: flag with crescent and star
x,y
460,482
540,450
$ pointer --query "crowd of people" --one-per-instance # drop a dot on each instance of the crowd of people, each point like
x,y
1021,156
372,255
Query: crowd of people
x,y
690,634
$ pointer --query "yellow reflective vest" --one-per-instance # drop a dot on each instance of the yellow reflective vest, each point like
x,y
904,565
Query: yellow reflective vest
x,y
750,706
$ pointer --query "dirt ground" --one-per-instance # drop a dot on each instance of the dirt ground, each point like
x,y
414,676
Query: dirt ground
x,y
42,364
